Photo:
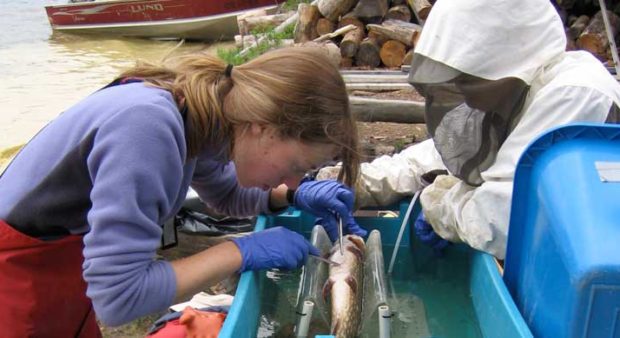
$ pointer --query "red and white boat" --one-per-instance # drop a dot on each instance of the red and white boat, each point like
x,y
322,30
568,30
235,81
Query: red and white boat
x,y
163,19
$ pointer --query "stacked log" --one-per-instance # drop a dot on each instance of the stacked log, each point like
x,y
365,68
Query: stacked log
x,y
255,20
585,28
305,29
368,33
383,34
593,37
421,8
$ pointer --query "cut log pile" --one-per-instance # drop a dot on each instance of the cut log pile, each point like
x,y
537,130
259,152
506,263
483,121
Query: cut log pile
x,y
585,28
589,34
382,33
368,33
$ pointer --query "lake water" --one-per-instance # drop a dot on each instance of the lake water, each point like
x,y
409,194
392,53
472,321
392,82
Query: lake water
x,y
42,73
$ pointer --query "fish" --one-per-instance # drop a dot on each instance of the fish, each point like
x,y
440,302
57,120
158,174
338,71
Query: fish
x,y
345,286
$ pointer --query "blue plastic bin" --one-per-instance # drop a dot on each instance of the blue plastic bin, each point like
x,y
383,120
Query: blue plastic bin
x,y
563,258
497,315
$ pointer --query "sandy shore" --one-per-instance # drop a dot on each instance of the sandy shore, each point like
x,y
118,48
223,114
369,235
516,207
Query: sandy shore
x,y
6,155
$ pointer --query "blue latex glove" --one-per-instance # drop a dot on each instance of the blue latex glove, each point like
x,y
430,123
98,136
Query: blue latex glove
x,y
428,236
274,248
326,199
347,228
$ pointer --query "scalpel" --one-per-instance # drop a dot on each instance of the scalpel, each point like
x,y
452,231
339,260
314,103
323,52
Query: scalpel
x,y
340,234
325,260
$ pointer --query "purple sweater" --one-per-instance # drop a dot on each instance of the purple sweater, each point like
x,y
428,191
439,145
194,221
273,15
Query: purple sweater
x,y
113,167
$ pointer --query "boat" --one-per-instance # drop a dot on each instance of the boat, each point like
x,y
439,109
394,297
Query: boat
x,y
159,19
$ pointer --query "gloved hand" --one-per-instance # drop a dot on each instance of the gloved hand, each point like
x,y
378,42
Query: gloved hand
x,y
351,227
428,236
326,199
274,248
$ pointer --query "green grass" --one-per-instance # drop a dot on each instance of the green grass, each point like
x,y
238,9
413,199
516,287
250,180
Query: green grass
x,y
6,155
399,145
272,40
291,5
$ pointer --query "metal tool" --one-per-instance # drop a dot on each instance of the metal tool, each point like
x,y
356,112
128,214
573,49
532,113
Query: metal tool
x,y
325,260
340,234
610,37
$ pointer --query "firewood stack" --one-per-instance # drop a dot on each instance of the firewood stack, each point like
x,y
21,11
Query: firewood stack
x,y
369,33
382,33
585,29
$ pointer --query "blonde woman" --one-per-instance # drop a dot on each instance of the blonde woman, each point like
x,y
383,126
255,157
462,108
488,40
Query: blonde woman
x,y
82,204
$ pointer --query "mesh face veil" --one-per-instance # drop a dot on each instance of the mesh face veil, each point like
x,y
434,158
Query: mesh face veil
x,y
468,117
474,62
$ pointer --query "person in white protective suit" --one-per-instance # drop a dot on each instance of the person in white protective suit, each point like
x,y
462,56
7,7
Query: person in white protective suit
x,y
495,75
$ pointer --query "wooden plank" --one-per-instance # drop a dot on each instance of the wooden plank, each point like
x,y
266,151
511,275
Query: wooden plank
x,y
377,86
337,32
405,32
373,71
375,78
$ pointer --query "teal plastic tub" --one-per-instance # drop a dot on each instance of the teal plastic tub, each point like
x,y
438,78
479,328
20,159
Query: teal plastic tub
x,y
462,293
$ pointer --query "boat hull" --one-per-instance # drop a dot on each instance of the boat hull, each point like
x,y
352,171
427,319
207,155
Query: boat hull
x,y
162,19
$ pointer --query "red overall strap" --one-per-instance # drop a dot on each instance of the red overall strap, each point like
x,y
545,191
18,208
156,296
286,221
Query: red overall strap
x,y
42,292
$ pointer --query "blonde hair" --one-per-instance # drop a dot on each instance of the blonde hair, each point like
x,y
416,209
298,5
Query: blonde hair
x,y
295,90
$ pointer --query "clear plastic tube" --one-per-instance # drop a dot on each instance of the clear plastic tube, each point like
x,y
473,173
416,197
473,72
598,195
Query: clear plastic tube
x,y
313,278
375,287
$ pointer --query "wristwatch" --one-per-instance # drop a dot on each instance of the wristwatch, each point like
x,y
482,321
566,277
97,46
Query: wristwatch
x,y
290,196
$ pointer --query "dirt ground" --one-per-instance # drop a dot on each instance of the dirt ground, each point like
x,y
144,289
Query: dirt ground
x,y
403,94
384,138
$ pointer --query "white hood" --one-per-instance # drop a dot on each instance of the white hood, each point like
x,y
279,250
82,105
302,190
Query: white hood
x,y
460,33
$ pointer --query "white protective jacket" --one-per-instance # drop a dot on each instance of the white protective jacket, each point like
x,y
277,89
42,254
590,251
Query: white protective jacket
x,y
489,40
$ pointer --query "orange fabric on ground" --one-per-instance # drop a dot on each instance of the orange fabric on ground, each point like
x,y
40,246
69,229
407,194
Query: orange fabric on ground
x,y
202,324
